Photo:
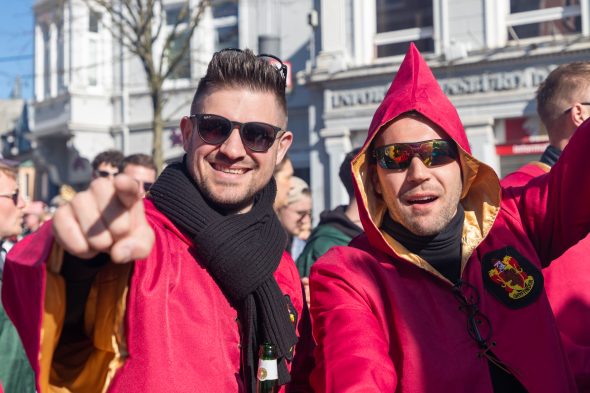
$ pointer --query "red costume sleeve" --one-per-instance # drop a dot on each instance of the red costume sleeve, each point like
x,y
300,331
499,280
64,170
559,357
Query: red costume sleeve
x,y
555,208
354,355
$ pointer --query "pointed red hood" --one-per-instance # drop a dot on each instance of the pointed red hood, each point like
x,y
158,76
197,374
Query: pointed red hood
x,y
414,88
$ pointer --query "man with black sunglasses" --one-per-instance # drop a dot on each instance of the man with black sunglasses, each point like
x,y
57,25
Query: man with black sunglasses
x,y
209,281
142,168
444,292
16,374
106,164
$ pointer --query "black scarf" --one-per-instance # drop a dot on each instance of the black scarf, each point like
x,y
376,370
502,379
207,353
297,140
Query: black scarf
x,y
241,252
442,251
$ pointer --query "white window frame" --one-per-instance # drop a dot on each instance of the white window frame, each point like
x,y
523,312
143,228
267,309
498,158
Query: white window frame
x,y
438,32
184,81
95,61
500,19
226,21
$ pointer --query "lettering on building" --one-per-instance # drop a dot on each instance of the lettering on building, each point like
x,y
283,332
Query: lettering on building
x,y
358,97
529,77
498,81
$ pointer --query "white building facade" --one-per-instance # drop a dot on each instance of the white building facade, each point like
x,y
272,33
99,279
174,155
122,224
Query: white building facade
x,y
91,94
489,56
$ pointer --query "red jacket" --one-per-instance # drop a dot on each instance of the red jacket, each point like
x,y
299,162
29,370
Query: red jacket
x,y
180,333
524,174
567,280
385,320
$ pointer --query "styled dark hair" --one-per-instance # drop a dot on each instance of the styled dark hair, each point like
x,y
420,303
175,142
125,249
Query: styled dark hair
x,y
564,85
112,157
345,172
139,160
241,68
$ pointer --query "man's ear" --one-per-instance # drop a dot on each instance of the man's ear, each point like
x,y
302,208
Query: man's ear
x,y
578,114
375,179
186,128
284,143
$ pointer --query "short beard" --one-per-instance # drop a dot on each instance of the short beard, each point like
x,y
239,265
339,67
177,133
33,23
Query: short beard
x,y
226,207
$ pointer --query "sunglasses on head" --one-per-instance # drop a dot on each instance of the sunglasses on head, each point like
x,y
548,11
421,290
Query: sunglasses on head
x,y
13,196
215,129
272,59
399,155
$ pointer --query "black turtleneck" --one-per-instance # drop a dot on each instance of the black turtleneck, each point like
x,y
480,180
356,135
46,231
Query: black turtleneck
x,y
442,251
550,155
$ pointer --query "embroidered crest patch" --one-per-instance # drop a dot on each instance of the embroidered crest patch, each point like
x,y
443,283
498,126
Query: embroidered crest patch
x,y
511,278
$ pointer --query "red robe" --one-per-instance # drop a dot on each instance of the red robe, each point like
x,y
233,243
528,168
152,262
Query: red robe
x,y
567,284
162,326
385,320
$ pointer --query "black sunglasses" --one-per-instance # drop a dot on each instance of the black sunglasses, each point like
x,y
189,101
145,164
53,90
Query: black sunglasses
x,y
215,129
399,155
571,107
272,59
13,196
105,173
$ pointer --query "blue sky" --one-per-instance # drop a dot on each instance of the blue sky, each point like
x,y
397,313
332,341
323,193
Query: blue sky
x,y
16,46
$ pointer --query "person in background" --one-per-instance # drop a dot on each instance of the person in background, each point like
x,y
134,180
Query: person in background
x,y
106,164
295,216
337,227
444,290
65,195
563,104
16,375
35,213
283,174
142,168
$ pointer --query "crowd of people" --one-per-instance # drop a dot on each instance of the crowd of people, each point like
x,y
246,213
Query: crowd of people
x,y
437,276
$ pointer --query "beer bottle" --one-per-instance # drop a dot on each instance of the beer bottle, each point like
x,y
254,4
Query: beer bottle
x,y
268,376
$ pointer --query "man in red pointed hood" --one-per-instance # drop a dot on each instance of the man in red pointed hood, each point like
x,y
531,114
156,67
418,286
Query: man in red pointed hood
x,y
444,292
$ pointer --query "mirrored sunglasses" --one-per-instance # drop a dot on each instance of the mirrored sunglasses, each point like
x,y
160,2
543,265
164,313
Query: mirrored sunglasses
x,y
215,129
14,196
398,156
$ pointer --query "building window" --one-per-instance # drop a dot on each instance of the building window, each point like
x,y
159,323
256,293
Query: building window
x,y
46,62
400,22
538,18
93,21
94,48
225,22
178,18
93,61
60,57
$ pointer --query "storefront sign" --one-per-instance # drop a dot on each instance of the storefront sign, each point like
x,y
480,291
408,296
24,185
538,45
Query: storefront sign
x,y
521,149
498,81
358,97
529,77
